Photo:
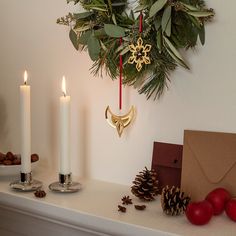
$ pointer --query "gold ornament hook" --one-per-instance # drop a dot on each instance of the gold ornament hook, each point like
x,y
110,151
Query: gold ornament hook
x,y
119,122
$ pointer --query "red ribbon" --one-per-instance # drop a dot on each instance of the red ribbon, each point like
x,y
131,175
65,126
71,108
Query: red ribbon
x,y
141,22
121,61
120,84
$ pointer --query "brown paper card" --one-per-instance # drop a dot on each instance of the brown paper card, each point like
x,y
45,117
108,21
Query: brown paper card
x,y
167,161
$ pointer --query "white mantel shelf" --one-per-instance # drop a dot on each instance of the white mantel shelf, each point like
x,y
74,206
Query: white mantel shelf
x,y
94,210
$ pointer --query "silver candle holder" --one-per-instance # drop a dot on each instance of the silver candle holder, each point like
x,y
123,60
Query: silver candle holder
x,y
26,183
65,184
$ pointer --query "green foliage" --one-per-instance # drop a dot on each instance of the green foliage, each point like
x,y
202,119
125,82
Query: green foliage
x,y
168,25
114,30
166,21
93,47
74,39
156,7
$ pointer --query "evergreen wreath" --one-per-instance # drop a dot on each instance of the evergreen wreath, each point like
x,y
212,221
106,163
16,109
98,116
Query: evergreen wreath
x,y
168,26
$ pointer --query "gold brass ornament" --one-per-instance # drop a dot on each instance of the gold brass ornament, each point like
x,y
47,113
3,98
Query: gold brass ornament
x,y
139,54
119,122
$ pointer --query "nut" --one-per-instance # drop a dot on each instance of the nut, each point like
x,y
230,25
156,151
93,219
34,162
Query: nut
x,y
34,157
2,157
140,207
14,159
16,162
7,162
40,193
10,156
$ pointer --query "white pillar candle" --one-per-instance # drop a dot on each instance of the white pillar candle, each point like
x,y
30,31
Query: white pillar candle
x,y
64,131
25,126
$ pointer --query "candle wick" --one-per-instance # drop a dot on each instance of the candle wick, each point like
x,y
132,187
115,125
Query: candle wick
x,y
25,83
64,94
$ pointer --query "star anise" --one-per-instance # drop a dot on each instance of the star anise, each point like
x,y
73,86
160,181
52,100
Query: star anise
x,y
121,208
126,200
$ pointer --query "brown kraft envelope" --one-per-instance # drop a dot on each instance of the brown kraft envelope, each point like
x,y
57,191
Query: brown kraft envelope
x,y
209,161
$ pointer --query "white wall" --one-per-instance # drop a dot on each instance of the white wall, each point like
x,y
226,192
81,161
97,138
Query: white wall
x,y
203,98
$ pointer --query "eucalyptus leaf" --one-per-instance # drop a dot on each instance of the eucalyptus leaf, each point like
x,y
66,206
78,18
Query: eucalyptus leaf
x,y
157,23
176,41
140,8
131,15
171,48
193,35
127,39
114,19
156,7
195,21
109,4
159,40
118,4
73,39
189,7
83,39
98,8
125,50
166,21
200,13
103,46
202,35
121,47
81,29
82,15
114,30
93,47
100,33
180,62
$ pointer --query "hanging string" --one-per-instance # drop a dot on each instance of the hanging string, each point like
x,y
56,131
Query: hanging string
x,y
141,22
120,82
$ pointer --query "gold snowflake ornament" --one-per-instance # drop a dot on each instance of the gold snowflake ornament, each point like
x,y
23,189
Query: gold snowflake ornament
x,y
139,54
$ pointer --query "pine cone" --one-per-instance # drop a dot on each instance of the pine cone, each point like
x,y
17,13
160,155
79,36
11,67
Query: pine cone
x,y
173,201
145,185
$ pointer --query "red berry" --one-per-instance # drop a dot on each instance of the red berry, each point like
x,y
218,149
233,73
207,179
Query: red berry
x,y
230,209
199,213
218,198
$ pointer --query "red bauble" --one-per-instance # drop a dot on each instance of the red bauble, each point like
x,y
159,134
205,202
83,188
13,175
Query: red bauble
x,y
230,209
199,213
218,198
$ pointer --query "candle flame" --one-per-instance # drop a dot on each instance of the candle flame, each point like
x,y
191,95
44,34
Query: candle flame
x,y
25,77
63,86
